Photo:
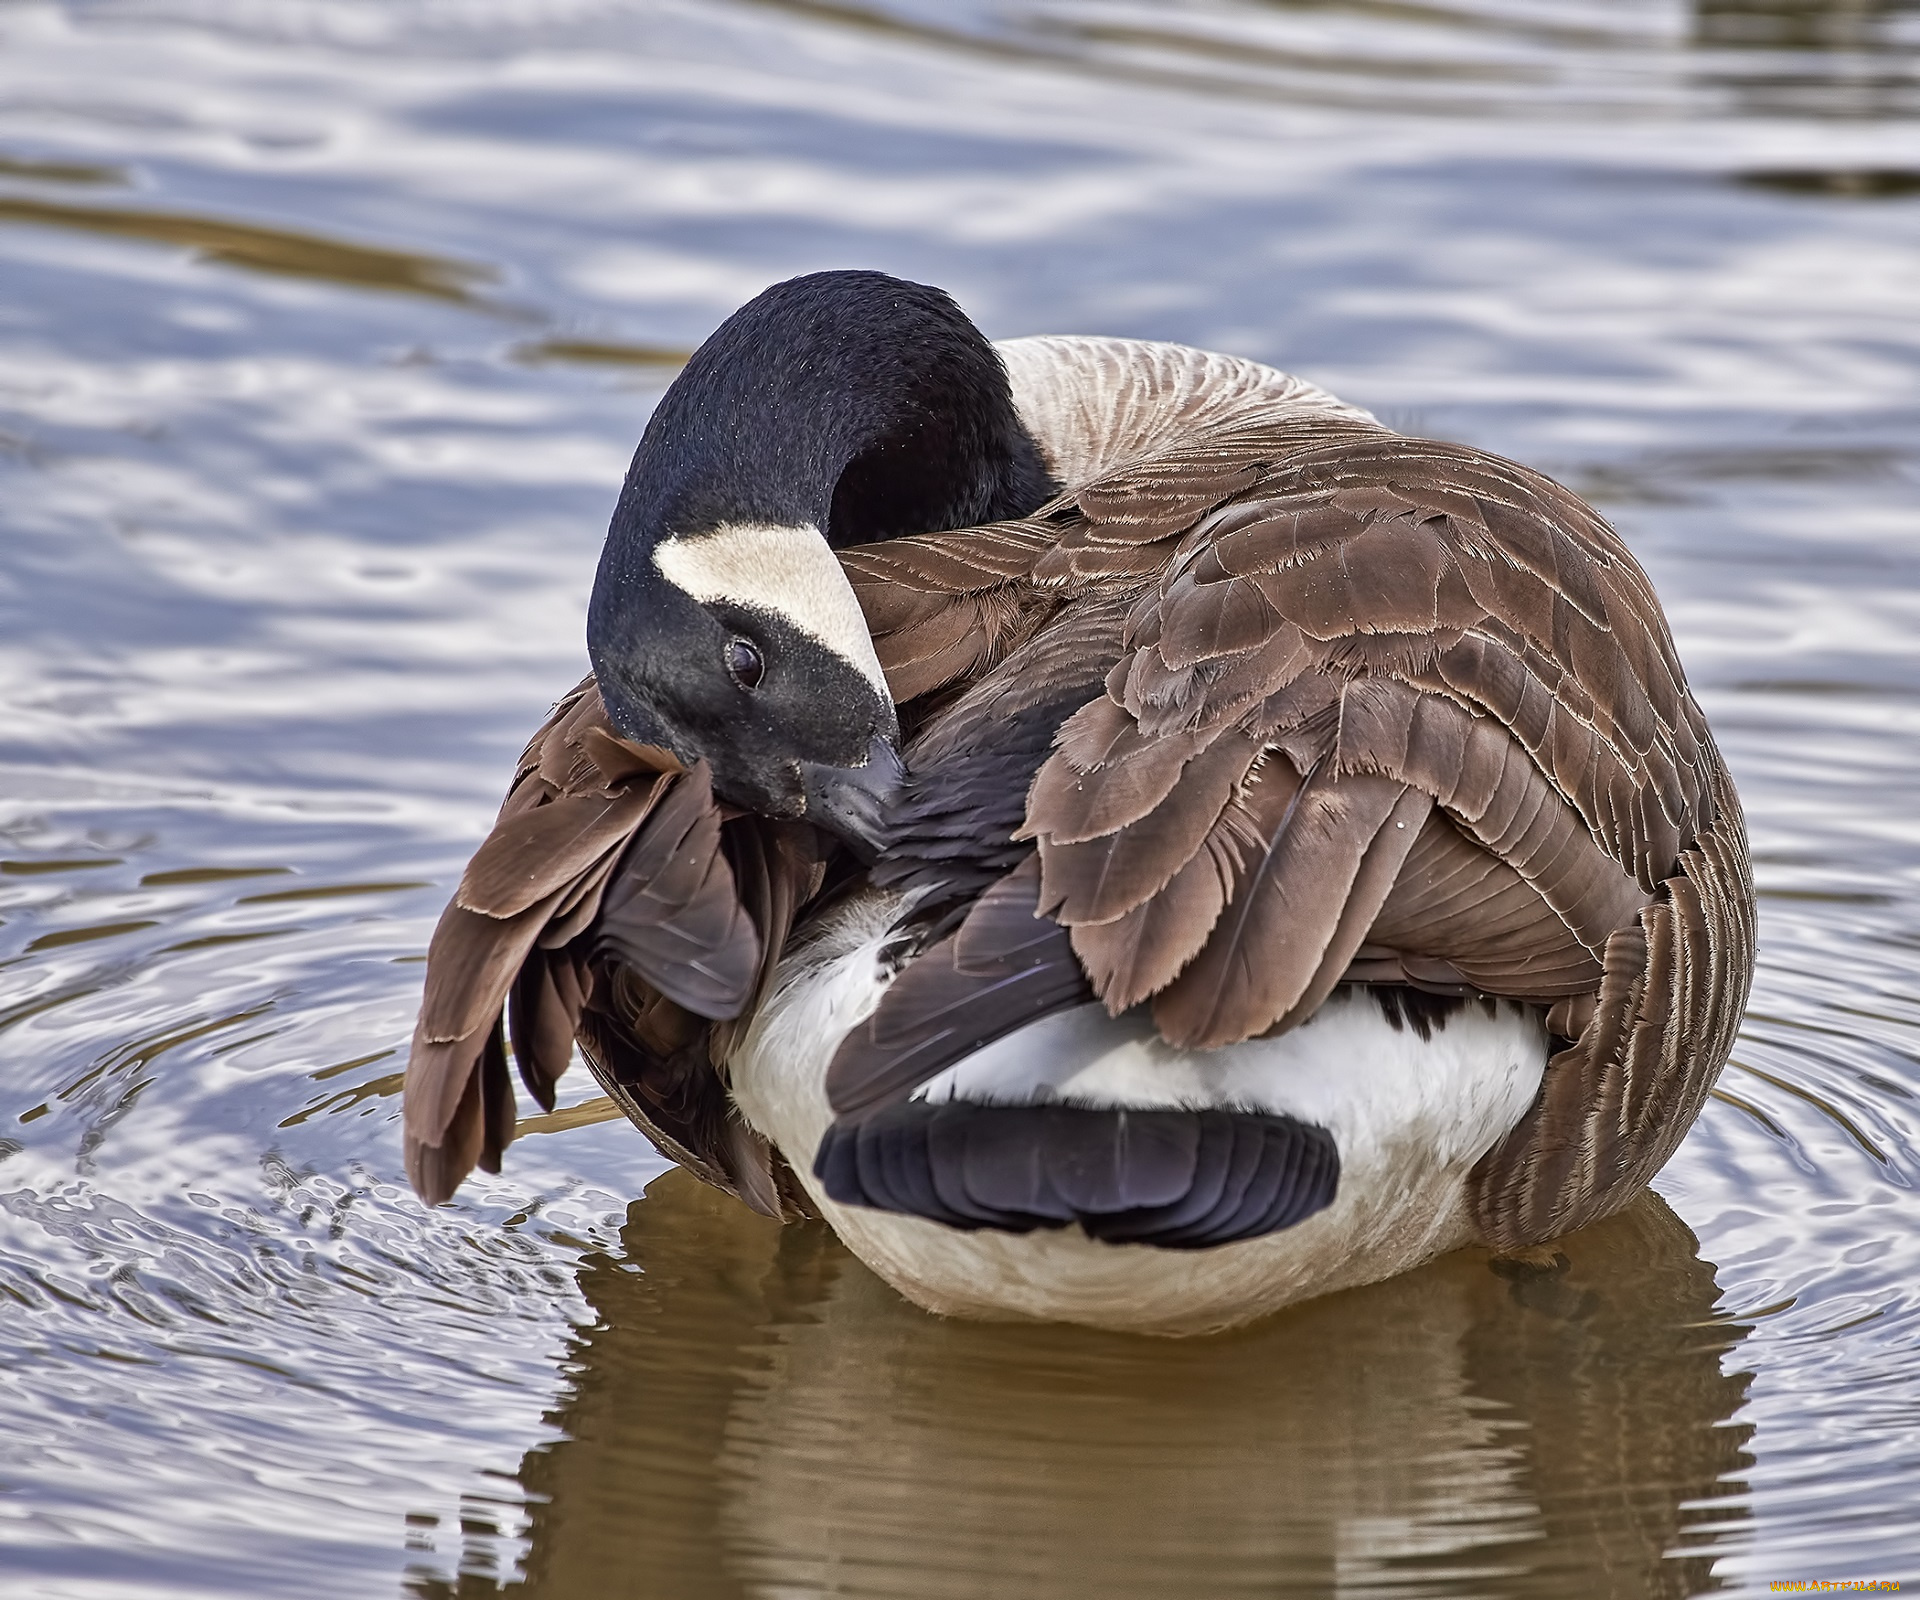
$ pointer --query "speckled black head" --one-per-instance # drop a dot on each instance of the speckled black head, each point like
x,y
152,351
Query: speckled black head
x,y
832,410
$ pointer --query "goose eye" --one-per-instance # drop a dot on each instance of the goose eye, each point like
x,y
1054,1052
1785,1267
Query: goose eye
x,y
744,664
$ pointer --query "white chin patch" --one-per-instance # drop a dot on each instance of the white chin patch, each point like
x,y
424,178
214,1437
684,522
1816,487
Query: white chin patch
x,y
789,571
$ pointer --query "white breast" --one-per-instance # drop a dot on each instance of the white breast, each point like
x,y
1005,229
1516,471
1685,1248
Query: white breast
x,y
1410,1117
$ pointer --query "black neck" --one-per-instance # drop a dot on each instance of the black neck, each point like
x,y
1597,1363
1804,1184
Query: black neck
x,y
866,406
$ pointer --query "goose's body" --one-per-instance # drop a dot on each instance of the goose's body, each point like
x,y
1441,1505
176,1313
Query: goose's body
x,y
1307,857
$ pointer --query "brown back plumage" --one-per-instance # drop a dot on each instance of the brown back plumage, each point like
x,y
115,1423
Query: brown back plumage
x,y
1292,701
1385,710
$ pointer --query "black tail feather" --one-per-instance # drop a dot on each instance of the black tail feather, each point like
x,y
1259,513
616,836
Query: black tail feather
x,y
1181,1180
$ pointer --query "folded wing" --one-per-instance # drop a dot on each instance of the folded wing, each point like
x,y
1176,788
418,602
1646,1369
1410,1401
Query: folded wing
x,y
1379,710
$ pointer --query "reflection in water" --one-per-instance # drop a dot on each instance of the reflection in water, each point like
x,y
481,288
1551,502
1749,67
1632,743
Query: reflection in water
x,y
60,171
278,250
1859,25
1849,183
598,353
755,1414
1825,58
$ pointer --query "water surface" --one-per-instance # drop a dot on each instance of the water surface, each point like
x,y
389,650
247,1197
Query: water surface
x,y
327,327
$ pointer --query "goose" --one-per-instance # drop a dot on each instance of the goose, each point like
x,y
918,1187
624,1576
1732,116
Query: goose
x,y
1119,833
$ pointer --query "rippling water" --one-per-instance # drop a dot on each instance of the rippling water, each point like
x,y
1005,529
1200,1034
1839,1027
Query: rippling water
x,y
327,327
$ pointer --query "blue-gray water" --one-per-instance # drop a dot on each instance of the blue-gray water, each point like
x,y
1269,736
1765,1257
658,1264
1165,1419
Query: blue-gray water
x,y
326,328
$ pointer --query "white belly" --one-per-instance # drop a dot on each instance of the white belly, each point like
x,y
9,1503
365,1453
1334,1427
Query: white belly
x,y
1410,1117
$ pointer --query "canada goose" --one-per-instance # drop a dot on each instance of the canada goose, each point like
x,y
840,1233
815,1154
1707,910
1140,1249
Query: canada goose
x,y
1120,833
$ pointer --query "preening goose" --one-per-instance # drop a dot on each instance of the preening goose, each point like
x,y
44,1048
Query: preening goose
x,y
1120,833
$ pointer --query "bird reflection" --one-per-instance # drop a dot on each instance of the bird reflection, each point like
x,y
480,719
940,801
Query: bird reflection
x,y
1796,24
757,1415
1808,58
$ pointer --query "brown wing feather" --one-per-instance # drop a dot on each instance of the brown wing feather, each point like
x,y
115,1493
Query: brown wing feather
x,y
565,820
1006,965
607,905
672,912
542,1018
946,608
1279,927
1453,897
1103,877
1138,954
1420,624
663,1063
1615,1105
537,848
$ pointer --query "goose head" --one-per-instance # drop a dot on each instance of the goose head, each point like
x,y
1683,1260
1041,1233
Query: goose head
x,y
832,410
